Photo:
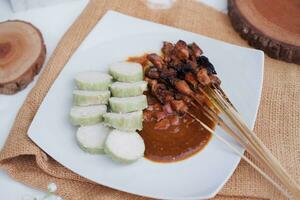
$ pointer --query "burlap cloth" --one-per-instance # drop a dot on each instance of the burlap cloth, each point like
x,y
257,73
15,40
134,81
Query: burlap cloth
x,y
277,124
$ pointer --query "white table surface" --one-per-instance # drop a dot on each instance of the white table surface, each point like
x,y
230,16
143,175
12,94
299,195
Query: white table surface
x,y
52,28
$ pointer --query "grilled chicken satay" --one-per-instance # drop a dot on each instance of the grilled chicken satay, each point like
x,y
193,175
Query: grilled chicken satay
x,y
174,79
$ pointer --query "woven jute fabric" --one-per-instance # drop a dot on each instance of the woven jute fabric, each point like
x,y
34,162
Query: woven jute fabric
x,y
277,124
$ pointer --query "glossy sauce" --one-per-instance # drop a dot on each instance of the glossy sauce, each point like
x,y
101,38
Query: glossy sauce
x,y
178,142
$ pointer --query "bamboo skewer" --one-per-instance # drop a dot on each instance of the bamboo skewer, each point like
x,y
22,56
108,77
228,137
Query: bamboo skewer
x,y
263,153
247,138
284,192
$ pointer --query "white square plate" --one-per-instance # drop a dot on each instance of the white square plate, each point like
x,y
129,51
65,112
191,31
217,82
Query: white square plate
x,y
199,177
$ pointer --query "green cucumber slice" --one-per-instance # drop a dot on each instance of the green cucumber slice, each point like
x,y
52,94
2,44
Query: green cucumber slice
x,y
128,104
87,98
124,121
121,89
126,71
93,80
87,115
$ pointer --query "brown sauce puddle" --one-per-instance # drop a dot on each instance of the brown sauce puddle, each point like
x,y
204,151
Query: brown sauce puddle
x,y
178,142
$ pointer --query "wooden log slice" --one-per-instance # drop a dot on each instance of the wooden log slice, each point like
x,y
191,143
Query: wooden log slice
x,y
22,54
270,25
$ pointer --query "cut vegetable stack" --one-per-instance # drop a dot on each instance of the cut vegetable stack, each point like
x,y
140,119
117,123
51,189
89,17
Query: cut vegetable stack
x,y
126,106
122,143
90,99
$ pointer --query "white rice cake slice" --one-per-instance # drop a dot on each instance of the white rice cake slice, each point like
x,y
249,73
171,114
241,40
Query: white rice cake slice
x,y
122,89
127,71
87,98
92,138
93,80
125,147
125,121
128,104
87,115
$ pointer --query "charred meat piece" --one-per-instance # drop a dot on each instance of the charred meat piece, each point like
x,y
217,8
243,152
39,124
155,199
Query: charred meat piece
x,y
161,93
203,77
178,96
179,106
156,90
167,73
181,50
210,68
197,52
162,125
193,64
156,60
167,50
183,87
186,99
151,100
168,96
183,69
153,73
214,79
204,61
175,61
150,81
189,77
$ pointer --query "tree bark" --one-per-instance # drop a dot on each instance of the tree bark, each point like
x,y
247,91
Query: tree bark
x,y
22,54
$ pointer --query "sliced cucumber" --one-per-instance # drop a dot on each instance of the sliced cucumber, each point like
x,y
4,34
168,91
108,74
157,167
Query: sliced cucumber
x,y
87,115
93,80
124,121
92,138
126,71
124,147
127,104
87,98
121,89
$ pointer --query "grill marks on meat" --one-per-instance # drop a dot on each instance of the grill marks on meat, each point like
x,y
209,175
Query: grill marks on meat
x,y
173,79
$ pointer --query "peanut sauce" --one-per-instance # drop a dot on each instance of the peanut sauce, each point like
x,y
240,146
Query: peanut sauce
x,y
177,142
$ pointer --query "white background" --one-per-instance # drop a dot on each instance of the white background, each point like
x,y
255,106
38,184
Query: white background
x,y
52,27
